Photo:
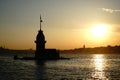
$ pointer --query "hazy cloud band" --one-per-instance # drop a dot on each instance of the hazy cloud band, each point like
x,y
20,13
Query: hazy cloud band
x,y
110,10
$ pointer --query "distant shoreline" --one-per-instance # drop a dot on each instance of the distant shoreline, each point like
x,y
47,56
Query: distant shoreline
x,y
96,50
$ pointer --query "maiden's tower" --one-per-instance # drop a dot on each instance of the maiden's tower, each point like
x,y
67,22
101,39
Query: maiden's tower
x,y
41,52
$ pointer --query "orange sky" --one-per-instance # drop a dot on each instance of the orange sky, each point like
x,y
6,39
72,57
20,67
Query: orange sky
x,y
66,23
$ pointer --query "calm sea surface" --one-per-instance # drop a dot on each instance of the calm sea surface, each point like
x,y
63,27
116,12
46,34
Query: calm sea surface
x,y
79,67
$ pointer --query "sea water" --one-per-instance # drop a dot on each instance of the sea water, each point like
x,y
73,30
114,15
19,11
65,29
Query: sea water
x,y
78,67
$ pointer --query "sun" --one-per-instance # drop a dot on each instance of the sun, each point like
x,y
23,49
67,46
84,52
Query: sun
x,y
99,30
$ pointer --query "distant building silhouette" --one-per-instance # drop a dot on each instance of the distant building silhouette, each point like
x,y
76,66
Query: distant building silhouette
x,y
84,46
41,52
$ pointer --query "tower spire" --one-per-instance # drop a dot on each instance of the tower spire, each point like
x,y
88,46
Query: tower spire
x,y
40,22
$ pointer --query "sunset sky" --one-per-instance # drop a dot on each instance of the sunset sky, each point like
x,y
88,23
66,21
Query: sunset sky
x,y
67,24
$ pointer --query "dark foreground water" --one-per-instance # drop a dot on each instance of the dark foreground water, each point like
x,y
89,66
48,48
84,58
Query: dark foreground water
x,y
79,67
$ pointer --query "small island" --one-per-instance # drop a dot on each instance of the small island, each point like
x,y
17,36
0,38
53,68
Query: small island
x,y
41,53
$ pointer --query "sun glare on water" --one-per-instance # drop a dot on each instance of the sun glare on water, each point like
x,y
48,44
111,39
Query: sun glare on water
x,y
99,30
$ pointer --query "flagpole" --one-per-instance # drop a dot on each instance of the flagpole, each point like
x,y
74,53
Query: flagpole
x,y
40,22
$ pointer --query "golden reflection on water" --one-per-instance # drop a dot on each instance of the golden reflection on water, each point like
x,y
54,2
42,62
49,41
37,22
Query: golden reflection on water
x,y
99,67
98,61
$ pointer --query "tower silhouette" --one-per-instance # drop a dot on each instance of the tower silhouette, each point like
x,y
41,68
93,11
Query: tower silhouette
x,y
40,43
41,52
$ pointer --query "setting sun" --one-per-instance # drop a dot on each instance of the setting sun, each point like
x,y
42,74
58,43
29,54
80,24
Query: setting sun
x,y
99,30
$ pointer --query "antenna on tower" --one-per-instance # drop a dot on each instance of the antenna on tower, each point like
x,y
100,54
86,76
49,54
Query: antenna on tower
x,y
40,22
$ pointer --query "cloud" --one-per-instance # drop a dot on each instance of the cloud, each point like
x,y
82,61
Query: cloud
x,y
110,10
